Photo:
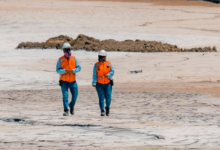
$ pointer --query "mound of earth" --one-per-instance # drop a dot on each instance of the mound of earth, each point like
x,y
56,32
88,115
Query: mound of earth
x,y
92,44
55,42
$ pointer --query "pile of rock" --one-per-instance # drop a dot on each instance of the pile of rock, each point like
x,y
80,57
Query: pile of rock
x,y
92,44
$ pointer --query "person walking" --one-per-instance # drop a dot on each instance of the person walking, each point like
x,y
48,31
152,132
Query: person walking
x,y
67,67
103,72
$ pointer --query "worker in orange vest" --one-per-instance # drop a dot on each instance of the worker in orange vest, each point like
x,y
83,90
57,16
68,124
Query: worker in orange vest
x,y
102,80
67,67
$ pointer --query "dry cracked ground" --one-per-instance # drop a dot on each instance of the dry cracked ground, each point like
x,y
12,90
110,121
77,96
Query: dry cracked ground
x,y
145,115
33,118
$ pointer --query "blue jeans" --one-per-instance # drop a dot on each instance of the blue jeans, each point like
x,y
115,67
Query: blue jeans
x,y
74,91
105,93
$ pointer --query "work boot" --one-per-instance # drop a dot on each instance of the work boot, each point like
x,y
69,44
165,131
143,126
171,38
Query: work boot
x,y
102,113
66,113
107,111
71,109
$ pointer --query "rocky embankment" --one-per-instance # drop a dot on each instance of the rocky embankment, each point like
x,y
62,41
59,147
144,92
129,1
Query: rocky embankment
x,y
92,44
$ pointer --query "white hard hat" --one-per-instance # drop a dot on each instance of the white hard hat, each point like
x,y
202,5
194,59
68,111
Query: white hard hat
x,y
66,45
102,53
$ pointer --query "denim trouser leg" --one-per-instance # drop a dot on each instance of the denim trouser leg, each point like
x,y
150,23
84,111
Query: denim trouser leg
x,y
104,92
64,89
108,95
74,92
100,91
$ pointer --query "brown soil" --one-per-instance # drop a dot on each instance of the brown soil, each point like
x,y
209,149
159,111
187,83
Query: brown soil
x,y
168,2
92,44
55,42
202,87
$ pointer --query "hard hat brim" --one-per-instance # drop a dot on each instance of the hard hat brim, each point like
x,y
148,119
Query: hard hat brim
x,y
102,55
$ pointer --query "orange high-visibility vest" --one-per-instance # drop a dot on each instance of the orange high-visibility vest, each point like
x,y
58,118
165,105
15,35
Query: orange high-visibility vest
x,y
101,70
68,64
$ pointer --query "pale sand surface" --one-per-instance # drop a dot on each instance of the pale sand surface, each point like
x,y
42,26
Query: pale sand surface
x,y
40,20
164,118
173,104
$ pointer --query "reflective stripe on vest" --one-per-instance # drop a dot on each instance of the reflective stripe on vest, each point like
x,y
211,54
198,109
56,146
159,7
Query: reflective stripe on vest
x,y
68,64
103,69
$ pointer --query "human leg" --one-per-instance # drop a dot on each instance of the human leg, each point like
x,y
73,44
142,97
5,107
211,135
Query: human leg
x,y
64,89
74,92
108,94
100,91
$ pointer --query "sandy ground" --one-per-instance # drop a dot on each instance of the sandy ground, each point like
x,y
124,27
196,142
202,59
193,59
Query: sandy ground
x,y
165,118
173,104
39,20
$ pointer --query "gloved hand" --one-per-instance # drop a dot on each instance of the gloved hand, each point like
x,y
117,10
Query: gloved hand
x,y
69,71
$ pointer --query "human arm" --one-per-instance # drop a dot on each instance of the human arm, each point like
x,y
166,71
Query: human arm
x,y
78,67
94,76
111,73
59,69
